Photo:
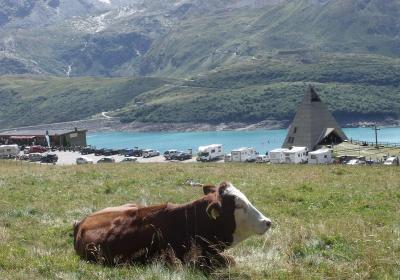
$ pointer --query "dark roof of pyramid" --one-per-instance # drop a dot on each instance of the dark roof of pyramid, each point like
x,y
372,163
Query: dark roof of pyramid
x,y
312,123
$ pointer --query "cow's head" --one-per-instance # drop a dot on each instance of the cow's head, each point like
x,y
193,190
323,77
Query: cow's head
x,y
230,204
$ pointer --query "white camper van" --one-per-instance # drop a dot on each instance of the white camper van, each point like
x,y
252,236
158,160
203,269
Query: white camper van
x,y
244,154
321,156
277,155
7,151
296,155
210,153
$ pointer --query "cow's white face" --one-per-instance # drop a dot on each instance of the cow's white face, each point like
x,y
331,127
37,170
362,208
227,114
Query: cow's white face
x,y
248,219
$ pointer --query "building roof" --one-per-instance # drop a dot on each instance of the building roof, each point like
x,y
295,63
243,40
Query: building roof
x,y
296,149
30,133
241,149
313,124
279,150
321,151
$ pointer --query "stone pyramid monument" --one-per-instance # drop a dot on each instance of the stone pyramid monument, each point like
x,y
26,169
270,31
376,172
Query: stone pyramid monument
x,y
313,126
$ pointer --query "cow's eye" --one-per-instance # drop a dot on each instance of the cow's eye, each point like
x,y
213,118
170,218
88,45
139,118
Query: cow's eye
x,y
239,205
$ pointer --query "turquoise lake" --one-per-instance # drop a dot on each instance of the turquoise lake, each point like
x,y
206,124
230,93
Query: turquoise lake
x,y
262,140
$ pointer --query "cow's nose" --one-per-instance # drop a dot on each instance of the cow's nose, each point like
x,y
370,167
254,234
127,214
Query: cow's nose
x,y
268,223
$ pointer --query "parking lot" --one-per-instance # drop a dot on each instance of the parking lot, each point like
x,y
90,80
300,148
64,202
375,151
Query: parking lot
x,y
69,158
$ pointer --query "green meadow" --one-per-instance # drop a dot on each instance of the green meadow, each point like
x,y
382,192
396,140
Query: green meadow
x,y
329,222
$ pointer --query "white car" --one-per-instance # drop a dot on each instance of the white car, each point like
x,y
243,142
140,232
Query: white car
x,y
34,157
355,162
390,161
262,159
150,153
228,158
84,160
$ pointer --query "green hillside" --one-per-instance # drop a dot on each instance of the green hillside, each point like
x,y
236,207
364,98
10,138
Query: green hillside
x,y
28,100
356,88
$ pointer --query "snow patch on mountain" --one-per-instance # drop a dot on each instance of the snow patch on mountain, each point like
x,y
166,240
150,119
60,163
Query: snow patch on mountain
x,y
105,1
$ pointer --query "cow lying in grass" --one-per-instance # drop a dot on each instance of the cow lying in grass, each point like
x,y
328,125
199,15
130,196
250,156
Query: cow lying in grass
x,y
196,232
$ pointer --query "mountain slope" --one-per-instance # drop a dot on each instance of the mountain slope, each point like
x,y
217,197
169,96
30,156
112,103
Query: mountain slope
x,y
361,88
195,36
355,88
34,100
199,61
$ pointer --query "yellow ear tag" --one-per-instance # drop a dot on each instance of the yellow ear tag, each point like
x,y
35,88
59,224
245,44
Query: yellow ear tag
x,y
214,213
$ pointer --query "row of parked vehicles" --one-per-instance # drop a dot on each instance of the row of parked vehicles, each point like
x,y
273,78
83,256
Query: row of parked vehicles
x,y
33,153
215,152
177,155
86,160
135,152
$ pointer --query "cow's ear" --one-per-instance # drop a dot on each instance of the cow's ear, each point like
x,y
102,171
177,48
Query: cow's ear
x,y
214,210
209,189
222,188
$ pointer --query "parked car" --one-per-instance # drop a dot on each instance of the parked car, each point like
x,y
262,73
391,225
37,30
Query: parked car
x,y
137,152
391,161
23,157
87,150
355,162
37,149
35,157
84,160
170,153
125,152
150,153
108,152
228,158
106,160
99,152
129,159
262,159
181,156
49,158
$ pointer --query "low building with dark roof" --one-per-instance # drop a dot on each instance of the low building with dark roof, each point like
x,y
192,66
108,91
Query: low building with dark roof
x,y
62,138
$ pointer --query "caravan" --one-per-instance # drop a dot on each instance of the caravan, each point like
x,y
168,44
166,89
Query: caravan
x,y
244,154
210,153
321,156
296,155
9,151
277,155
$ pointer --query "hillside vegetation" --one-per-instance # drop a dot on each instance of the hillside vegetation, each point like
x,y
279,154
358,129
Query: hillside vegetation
x,y
355,88
198,61
328,221
34,100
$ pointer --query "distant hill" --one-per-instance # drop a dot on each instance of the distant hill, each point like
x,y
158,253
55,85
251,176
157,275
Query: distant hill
x,y
241,60
355,88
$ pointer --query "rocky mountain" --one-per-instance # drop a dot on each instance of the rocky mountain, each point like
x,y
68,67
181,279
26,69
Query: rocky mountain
x,y
170,37
251,45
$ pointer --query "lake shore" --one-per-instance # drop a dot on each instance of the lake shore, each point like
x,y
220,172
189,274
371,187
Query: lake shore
x,y
107,124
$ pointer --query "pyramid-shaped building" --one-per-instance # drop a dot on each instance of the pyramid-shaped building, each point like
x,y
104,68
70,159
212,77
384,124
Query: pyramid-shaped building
x,y
313,126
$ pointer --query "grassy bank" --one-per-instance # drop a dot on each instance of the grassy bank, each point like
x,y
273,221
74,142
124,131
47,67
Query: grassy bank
x,y
329,221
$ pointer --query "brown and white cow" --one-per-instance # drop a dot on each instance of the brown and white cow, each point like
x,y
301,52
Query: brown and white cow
x,y
205,227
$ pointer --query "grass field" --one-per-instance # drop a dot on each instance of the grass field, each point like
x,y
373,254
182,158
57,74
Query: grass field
x,y
330,222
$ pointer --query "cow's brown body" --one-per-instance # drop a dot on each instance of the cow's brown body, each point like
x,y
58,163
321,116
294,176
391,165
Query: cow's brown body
x,y
140,234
